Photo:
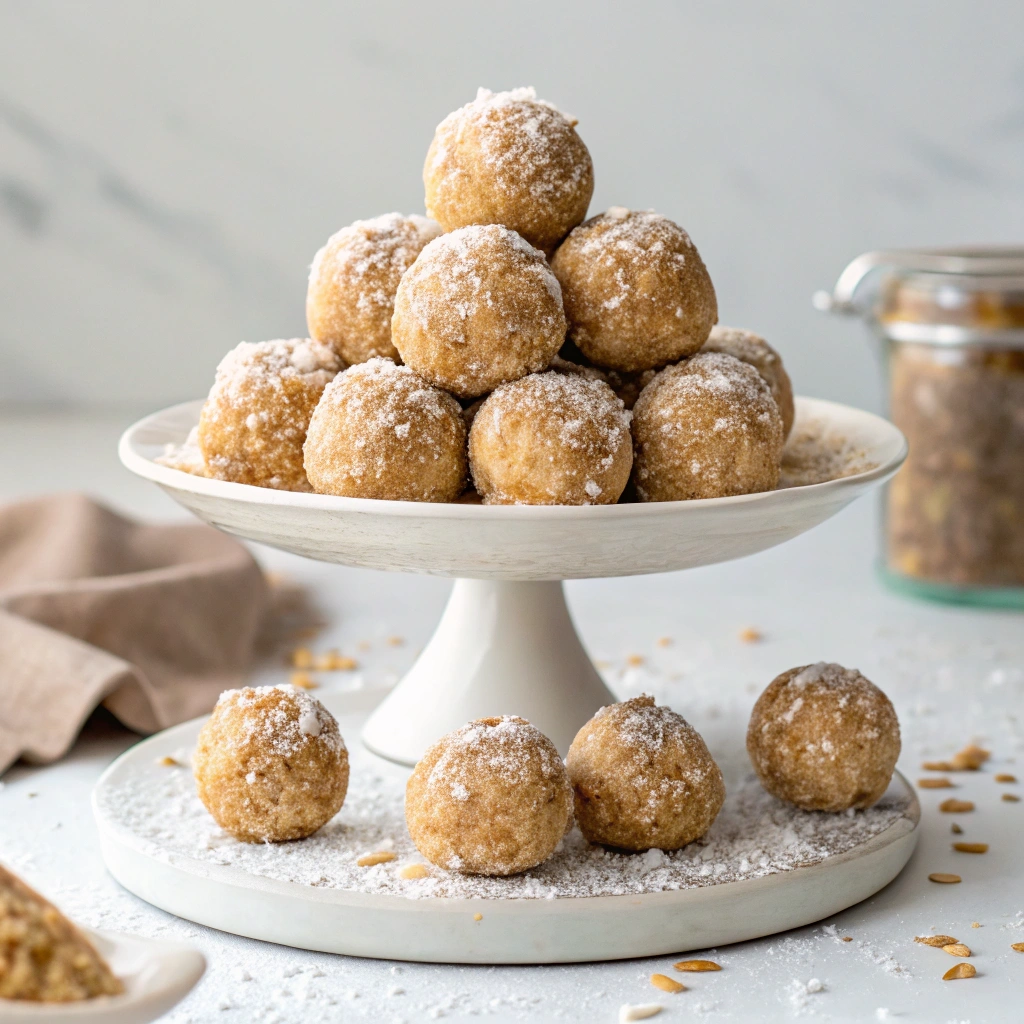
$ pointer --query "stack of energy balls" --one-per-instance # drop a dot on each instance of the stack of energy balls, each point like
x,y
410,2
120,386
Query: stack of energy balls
x,y
505,339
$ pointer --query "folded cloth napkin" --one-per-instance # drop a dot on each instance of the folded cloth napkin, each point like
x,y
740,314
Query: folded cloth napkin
x,y
152,621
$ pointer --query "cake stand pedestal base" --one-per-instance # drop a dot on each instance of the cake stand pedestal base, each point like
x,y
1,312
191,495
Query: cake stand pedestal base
x,y
500,648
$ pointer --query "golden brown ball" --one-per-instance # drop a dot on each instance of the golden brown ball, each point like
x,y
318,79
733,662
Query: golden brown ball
x,y
270,764
824,738
643,778
353,280
479,307
491,798
627,386
637,294
381,431
706,428
751,348
551,439
254,422
509,158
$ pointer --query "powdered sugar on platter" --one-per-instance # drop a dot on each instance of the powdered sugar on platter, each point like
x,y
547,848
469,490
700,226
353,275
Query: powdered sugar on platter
x,y
755,835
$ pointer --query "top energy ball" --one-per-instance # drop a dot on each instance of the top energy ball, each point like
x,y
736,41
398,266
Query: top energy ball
x,y
509,158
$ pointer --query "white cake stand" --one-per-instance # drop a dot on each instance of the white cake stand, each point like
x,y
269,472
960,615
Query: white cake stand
x,y
506,643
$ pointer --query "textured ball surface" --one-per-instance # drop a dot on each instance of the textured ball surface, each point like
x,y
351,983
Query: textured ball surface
x,y
270,764
509,158
381,431
551,439
637,294
706,428
254,422
824,738
627,386
353,280
643,778
479,307
491,798
752,349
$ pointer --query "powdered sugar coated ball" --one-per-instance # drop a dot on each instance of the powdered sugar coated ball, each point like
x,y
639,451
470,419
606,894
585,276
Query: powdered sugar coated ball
x,y
706,428
824,738
479,307
270,764
254,422
509,158
637,294
643,778
353,280
752,349
381,431
551,439
491,798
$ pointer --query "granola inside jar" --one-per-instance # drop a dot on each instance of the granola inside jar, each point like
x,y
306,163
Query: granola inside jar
x,y
952,326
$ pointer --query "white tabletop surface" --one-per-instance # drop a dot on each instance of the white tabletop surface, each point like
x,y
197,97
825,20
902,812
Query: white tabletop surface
x,y
956,675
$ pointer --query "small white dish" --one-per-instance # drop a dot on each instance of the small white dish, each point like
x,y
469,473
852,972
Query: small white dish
x,y
157,975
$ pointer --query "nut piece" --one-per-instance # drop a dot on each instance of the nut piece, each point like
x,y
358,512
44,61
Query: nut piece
x,y
956,829
954,806
1011,798
1017,947
938,766
960,970
935,940
956,949
943,878
667,984
640,1012
302,657
168,762
970,759
303,680
942,783
971,847
368,860
413,871
749,635
697,965
1005,777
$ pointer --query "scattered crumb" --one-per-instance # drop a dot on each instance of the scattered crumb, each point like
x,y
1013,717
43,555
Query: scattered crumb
x,y
940,941
847,938
667,984
639,1012
635,660
1011,798
413,871
957,949
1005,777
971,847
954,806
168,762
942,783
943,878
478,917
368,860
664,641
303,680
960,970
975,924
956,829
696,965
302,657
749,635
1017,947
395,641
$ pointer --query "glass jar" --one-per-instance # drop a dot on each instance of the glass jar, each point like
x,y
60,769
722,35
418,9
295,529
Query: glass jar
x,y
951,323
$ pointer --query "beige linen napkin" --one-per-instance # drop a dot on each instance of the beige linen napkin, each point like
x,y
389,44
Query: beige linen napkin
x,y
152,621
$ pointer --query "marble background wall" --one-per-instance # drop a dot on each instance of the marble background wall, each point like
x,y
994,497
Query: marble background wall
x,y
168,170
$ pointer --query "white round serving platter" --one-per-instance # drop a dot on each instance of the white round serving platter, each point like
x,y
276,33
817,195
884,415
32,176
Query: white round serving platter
x,y
156,974
506,642
483,930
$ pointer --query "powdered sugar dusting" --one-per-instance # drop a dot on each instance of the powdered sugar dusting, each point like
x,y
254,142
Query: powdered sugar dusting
x,y
283,726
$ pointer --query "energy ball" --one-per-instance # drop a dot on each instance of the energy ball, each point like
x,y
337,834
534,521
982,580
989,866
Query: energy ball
x,y
491,798
636,292
706,428
627,386
270,764
353,281
751,348
479,307
824,738
509,158
643,778
551,439
381,431
254,422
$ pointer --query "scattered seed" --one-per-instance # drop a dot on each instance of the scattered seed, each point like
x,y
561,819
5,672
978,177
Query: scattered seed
x,y
697,965
640,1012
478,917
847,938
942,783
368,860
1005,777
956,949
395,641
303,680
956,829
954,806
960,970
667,984
635,660
971,847
302,657
1011,798
664,641
970,759
1017,947
935,940
943,878
168,762
749,635
413,871
938,766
